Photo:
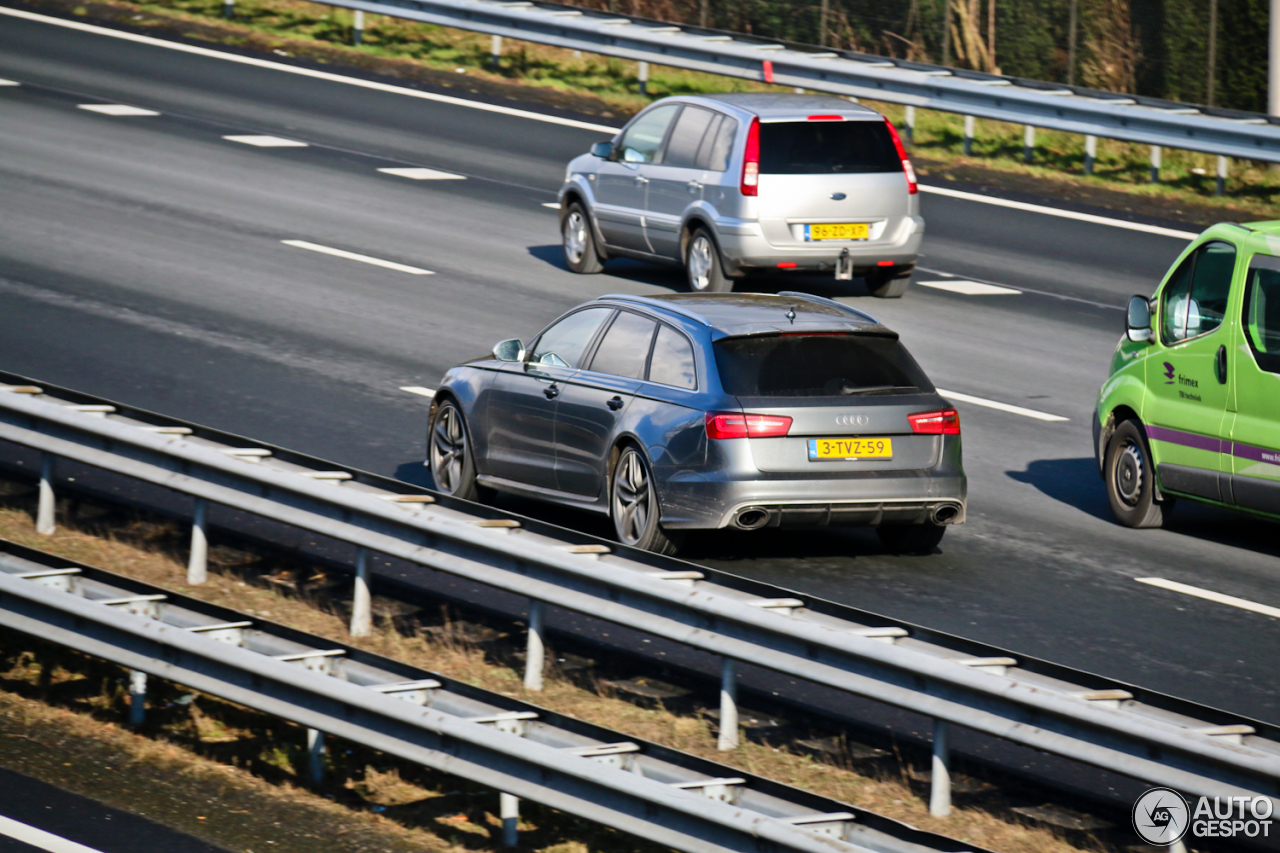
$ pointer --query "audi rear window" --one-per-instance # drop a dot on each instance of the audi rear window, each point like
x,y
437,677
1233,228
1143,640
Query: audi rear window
x,y
827,148
817,365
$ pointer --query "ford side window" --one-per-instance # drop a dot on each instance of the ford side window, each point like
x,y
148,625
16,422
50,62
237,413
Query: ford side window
x,y
686,137
563,344
1195,299
1262,312
717,145
643,140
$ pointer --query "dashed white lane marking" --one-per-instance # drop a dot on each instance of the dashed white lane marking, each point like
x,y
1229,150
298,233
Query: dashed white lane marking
x,y
352,256
1210,595
1065,214
970,288
39,838
415,174
418,389
117,110
267,141
304,72
1003,407
554,205
1061,296
9,83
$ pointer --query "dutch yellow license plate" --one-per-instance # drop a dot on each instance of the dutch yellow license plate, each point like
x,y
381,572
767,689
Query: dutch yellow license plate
x,y
837,231
850,448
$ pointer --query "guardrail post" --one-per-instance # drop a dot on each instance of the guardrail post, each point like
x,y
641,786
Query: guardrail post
x,y
137,698
535,649
968,135
46,505
228,8
509,812
357,27
198,565
643,74
1221,187
909,125
1028,143
361,604
495,49
315,755
728,706
1090,153
1155,164
940,775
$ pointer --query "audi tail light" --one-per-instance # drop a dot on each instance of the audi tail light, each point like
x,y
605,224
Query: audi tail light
x,y
907,169
751,161
721,425
945,422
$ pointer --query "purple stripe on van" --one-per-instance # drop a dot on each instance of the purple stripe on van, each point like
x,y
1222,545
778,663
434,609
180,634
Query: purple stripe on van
x,y
1256,454
1188,439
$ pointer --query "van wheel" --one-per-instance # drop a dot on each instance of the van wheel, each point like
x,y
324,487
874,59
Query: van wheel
x,y
580,251
703,267
1131,479
633,505
888,283
915,539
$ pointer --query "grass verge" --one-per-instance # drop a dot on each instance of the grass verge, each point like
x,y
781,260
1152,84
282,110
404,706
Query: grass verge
x,y
609,88
210,735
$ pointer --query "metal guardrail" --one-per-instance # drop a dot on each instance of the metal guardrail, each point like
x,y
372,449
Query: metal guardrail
x,y
519,749
1073,109
1101,722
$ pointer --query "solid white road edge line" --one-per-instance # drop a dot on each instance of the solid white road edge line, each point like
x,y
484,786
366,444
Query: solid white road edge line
x,y
511,111
352,256
970,288
1065,214
1004,407
418,389
554,205
39,838
1210,595
303,72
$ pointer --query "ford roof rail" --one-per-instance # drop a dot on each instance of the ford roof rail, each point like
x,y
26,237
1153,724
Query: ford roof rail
x,y
830,303
655,303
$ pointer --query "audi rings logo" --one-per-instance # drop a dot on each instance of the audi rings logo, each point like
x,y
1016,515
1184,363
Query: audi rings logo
x,y
1161,816
852,420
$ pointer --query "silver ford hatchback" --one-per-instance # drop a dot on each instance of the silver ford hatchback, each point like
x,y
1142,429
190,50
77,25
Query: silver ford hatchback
x,y
730,184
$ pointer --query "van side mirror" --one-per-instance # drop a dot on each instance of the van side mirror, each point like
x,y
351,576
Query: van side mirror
x,y
1138,323
510,350
603,150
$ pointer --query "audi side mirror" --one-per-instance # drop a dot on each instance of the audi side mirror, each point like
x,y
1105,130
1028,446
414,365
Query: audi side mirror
x,y
509,350
1138,323
603,150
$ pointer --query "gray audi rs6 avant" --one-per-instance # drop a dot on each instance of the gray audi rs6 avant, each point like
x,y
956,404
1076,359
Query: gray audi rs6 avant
x,y
703,411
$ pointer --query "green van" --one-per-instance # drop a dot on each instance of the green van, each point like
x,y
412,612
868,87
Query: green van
x,y
1192,406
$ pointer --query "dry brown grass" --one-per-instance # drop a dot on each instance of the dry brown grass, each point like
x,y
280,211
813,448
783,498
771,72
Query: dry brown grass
x,y
152,551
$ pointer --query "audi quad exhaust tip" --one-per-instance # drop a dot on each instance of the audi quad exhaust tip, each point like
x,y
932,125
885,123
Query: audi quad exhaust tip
x,y
945,514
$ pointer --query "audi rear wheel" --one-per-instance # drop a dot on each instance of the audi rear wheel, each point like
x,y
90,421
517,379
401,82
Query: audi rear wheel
x,y
633,505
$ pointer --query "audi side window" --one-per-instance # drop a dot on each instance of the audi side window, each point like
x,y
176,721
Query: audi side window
x,y
1262,313
686,137
672,360
563,344
643,140
624,350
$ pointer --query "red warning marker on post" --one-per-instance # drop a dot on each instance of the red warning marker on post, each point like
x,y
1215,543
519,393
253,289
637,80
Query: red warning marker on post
x,y
768,71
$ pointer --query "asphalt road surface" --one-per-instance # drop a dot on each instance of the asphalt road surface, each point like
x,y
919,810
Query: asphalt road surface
x,y
142,259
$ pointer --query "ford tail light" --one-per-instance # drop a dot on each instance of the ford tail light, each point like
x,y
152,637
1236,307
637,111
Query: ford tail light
x,y
722,425
945,422
751,161
912,186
